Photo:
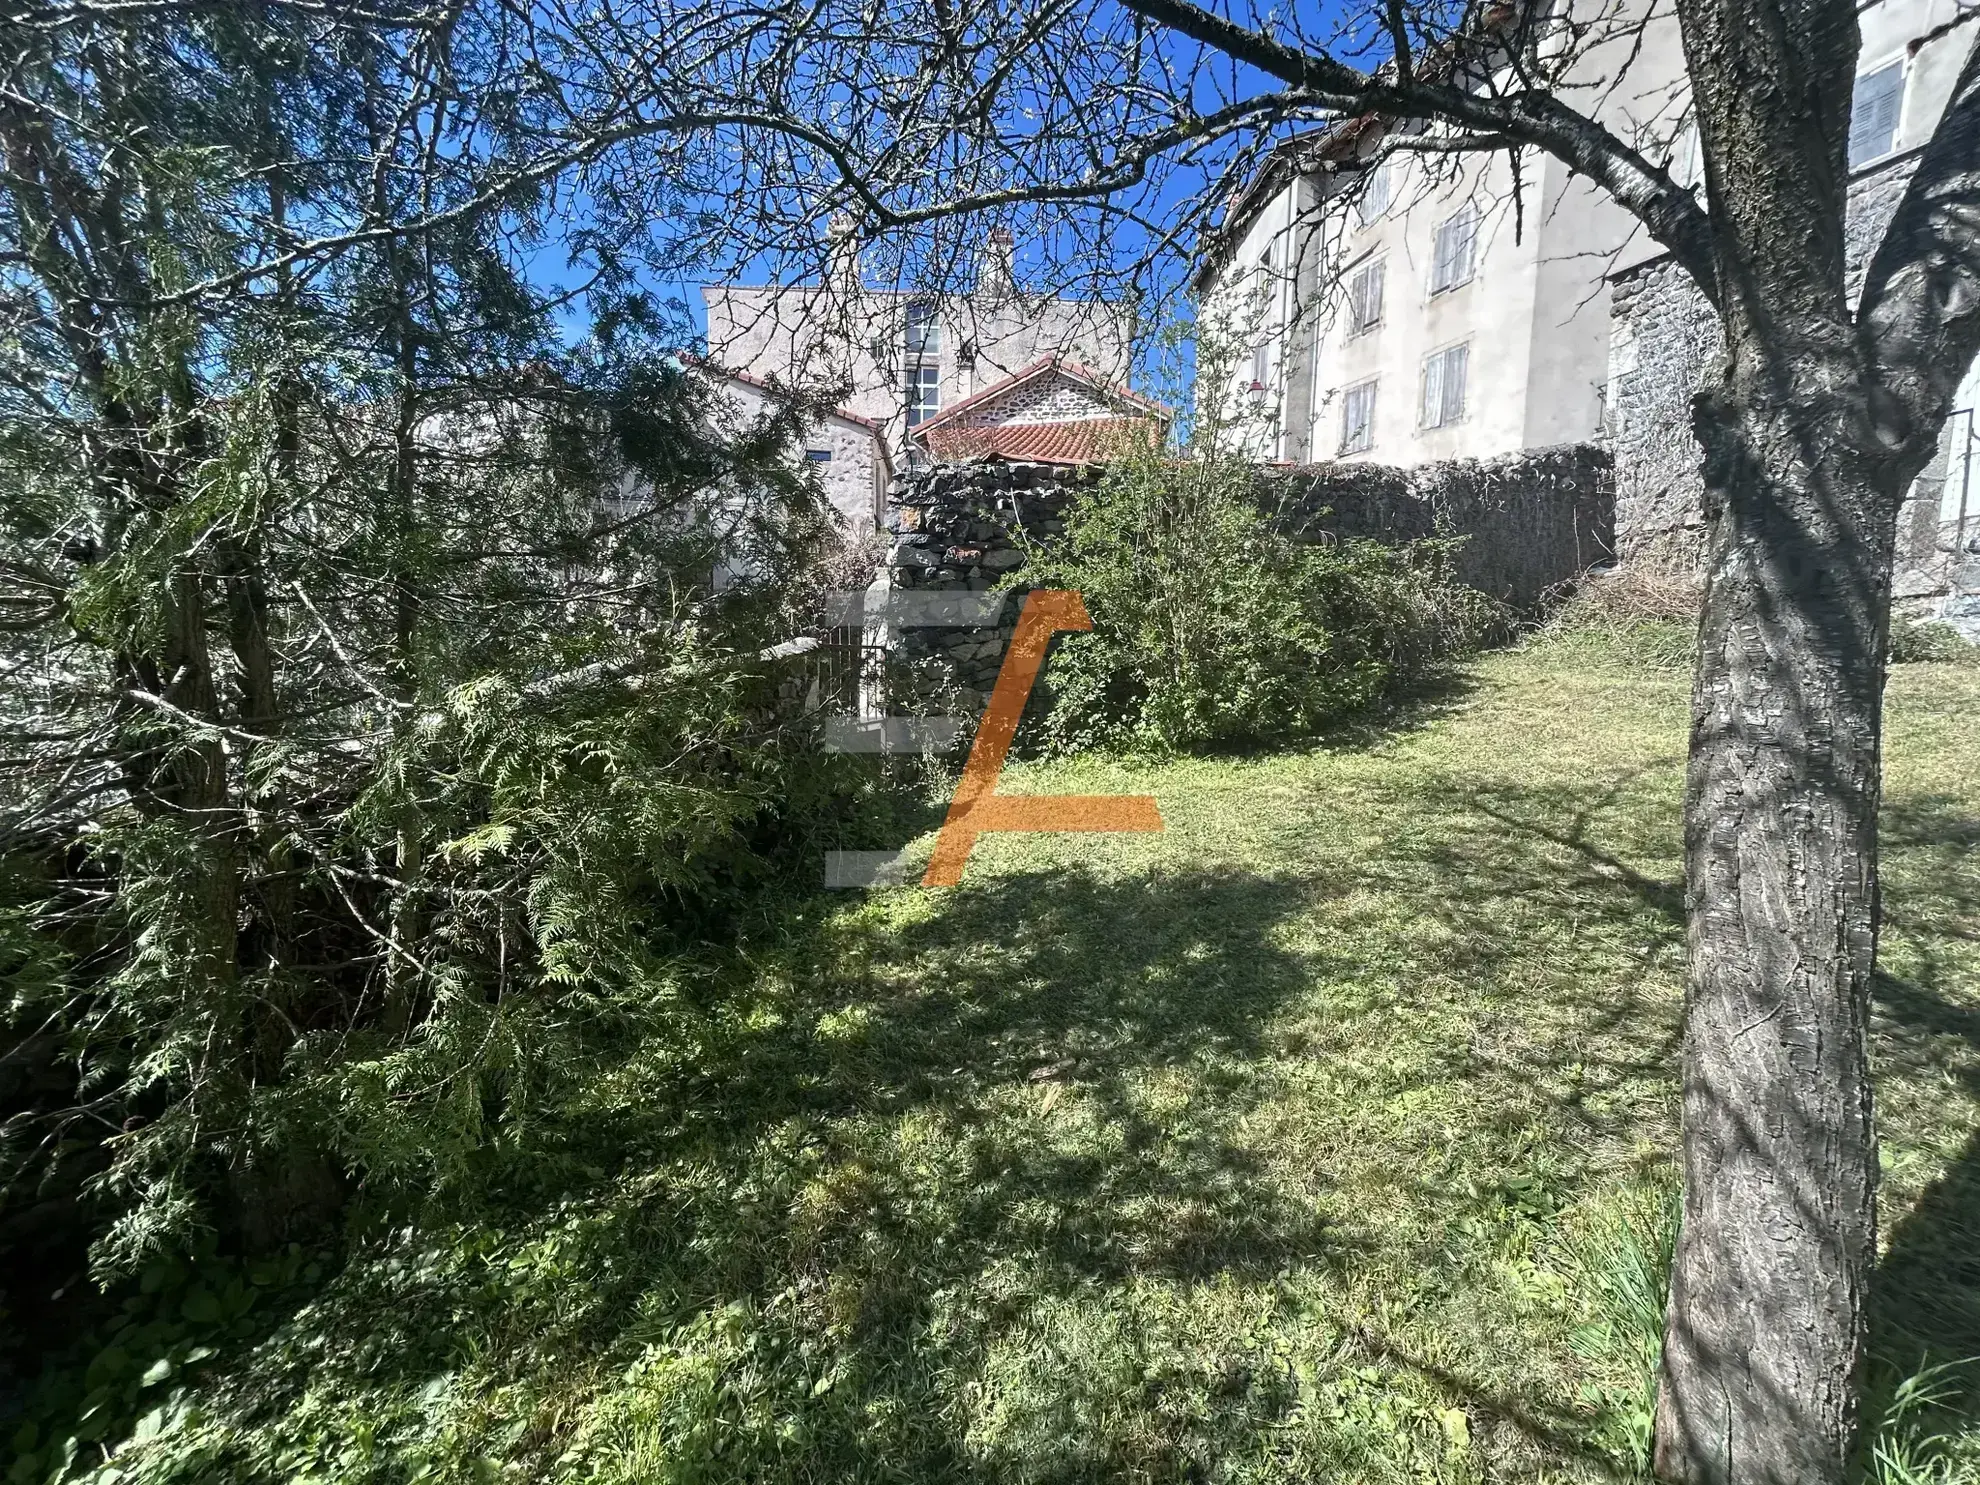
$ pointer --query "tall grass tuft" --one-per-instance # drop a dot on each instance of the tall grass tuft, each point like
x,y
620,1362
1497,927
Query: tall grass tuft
x,y
1622,1265
1929,642
1902,1449
1639,617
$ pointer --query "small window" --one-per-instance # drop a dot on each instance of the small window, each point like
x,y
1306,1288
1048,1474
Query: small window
x,y
924,331
1358,419
1873,114
1365,299
1457,247
1261,349
1443,386
1376,191
924,394
819,456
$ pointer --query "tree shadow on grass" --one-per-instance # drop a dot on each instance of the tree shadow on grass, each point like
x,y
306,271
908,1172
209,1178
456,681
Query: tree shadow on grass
x,y
932,1195
842,1193
1925,1305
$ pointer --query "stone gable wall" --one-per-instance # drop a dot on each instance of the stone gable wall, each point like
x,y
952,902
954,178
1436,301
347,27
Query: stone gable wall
x,y
1663,340
1049,399
1664,337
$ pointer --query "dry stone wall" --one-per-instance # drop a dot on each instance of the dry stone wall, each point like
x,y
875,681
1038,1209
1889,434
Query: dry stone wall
x,y
1664,338
1533,522
958,528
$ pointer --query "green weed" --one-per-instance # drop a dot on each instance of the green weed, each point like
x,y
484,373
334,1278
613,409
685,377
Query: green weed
x,y
1324,1136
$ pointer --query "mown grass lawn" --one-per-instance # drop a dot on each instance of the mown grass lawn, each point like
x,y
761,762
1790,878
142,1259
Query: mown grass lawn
x,y
1301,1142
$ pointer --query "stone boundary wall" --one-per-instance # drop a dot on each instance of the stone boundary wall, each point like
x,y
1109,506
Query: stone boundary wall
x,y
953,528
1533,522
1663,338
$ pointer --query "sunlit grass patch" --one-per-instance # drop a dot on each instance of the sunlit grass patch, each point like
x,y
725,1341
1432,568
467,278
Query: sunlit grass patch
x,y
1325,1135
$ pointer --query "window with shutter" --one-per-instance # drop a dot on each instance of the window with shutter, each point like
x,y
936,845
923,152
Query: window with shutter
x,y
1456,247
1376,190
1873,114
1365,299
924,331
1265,295
1444,377
1358,419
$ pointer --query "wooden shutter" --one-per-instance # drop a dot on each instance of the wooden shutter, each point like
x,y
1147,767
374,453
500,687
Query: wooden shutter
x,y
1873,115
1457,365
1451,260
1365,299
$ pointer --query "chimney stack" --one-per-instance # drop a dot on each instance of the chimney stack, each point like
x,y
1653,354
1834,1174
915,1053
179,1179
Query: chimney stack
x,y
842,260
996,270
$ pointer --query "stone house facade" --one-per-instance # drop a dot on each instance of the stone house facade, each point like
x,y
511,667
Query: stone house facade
x,y
1363,303
846,453
1053,412
899,357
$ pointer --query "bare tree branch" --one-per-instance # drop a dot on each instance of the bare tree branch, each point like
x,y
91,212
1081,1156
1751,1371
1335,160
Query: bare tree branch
x,y
1648,192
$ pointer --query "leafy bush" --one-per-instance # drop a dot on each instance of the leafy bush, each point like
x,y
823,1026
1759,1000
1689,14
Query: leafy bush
x,y
1924,642
1212,628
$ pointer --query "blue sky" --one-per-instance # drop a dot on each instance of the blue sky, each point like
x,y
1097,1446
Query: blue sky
x,y
1040,258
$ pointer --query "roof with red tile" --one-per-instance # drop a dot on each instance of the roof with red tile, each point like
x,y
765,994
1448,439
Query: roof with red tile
x,y
1086,441
1108,391
776,389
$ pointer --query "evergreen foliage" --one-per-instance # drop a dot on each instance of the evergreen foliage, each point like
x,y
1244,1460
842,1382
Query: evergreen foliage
x,y
376,733
1214,629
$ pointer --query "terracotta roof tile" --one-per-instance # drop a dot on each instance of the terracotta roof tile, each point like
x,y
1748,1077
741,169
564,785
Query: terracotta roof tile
x,y
1072,370
1086,441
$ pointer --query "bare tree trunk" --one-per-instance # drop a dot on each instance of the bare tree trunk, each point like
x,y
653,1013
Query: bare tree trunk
x,y
1765,1332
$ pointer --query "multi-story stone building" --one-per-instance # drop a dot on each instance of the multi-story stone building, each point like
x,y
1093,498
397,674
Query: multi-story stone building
x,y
899,358
1366,302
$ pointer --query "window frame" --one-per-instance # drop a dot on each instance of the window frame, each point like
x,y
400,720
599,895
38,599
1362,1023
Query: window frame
x,y
919,379
1371,205
1377,271
1348,396
1896,63
1439,284
1261,348
1441,359
921,335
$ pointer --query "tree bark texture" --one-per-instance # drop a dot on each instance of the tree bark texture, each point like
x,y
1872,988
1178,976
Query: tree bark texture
x,y
1764,1339
1765,1335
